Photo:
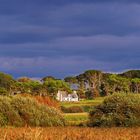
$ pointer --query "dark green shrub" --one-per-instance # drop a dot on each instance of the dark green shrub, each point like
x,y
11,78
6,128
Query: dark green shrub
x,y
89,94
117,110
87,108
72,109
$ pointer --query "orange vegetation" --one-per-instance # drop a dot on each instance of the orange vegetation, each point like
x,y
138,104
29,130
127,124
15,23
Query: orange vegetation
x,y
47,101
69,133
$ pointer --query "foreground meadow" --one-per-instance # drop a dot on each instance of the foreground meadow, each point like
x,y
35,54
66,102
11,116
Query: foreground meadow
x,y
69,133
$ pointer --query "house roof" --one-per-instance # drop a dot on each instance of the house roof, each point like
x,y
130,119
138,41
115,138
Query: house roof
x,y
74,95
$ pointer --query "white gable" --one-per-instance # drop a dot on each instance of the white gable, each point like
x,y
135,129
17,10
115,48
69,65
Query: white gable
x,y
64,96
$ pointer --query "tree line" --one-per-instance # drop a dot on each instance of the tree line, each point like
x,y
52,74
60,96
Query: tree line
x,y
93,83
47,86
90,84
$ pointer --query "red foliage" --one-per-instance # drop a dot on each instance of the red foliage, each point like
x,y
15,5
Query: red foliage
x,y
47,101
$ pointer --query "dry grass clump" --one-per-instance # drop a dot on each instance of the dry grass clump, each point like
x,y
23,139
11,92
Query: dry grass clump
x,y
69,133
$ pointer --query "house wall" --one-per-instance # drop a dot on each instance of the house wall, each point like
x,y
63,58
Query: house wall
x,y
68,98
58,96
74,99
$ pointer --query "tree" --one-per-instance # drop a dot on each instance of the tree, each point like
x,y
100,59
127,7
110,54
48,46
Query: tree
x,y
48,78
32,87
71,80
81,81
38,88
54,85
135,85
93,78
118,83
7,82
105,87
81,85
24,79
131,74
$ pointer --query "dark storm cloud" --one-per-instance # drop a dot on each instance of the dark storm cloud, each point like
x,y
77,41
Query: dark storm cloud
x,y
83,20
67,37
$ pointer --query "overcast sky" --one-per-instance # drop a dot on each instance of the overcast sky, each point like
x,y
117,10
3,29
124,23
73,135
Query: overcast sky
x,y
67,37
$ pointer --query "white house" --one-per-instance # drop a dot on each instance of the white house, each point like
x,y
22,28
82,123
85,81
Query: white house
x,y
64,96
61,95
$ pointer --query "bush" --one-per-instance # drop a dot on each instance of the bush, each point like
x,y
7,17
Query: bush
x,y
72,109
46,100
8,115
87,108
89,94
20,111
3,91
76,109
117,110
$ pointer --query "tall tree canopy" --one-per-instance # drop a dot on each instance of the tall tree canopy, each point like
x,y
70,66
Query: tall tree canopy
x,y
131,74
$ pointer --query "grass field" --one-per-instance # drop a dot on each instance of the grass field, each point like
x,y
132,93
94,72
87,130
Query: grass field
x,y
69,133
80,118
94,102
76,118
86,105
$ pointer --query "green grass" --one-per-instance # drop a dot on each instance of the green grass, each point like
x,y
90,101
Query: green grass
x,y
94,102
76,118
85,104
